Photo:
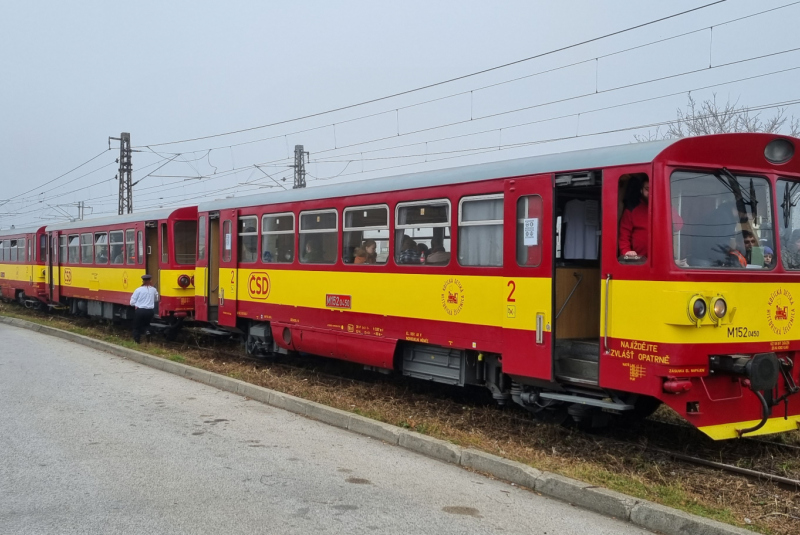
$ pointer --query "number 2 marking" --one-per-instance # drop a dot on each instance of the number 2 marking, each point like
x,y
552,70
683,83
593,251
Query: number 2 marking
x,y
513,287
233,276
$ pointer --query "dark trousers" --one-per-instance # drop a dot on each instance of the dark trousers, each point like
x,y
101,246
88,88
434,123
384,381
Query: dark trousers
x,y
141,321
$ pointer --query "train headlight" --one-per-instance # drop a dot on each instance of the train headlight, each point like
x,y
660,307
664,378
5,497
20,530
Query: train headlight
x,y
697,309
184,281
779,151
720,308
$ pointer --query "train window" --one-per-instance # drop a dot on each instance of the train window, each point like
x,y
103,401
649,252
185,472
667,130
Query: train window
x,y
2,250
13,256
226,249
21,250
87,249
277,238
201,238
74,249
185,234
529,231
140,247
62,249
117,242
319,237
480,231
789,225
366,235
422,233
248,239
100,249
164,244
721,220
130,246
42,247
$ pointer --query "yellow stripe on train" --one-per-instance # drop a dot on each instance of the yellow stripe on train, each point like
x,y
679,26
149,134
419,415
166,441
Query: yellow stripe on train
x,y
773,425
123,279
658,311
491,301
22,273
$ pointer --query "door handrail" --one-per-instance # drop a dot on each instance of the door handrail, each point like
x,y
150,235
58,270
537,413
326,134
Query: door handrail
x,y
605,322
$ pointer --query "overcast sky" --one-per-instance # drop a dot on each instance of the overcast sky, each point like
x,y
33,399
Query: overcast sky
x,y
73,75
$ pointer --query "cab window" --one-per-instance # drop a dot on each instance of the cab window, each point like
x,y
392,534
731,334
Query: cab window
x,y
422,233
788,224
366,235
721,220
185,233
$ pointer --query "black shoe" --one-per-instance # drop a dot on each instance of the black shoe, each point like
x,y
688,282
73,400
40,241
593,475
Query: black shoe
x,y
136,340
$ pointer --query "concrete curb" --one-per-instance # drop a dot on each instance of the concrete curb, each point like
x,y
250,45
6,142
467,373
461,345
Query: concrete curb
x,y
641,513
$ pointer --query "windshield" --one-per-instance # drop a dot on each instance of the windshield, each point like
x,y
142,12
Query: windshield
x,y
722,221
789,222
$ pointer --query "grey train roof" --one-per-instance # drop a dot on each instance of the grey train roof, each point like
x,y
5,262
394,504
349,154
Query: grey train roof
x,y
15,231
150,215
582,159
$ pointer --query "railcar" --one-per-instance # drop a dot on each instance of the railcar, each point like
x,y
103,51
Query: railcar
x,y
511,275
95,265
23,268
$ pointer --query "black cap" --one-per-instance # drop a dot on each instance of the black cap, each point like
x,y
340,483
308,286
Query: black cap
x,y
146,277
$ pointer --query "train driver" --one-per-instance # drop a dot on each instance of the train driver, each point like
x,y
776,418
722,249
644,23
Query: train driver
x,y
144,301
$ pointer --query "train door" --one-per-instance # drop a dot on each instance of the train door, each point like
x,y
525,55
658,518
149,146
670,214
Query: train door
x,y
228,272
213,266
578,211
53,266
528,266
201,270
621,186
152,249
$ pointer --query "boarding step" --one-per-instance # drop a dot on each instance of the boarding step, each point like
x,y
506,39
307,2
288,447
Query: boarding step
x,y
577,361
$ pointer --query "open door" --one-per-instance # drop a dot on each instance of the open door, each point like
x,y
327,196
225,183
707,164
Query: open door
x,y
528,286
151,248
228,272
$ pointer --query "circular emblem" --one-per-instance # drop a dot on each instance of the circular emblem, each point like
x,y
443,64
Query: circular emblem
x,y
780,311
452,296
125,279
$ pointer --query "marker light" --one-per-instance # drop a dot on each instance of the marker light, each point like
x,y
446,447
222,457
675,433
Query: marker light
x,y
779,151
183,281
720,308
697,309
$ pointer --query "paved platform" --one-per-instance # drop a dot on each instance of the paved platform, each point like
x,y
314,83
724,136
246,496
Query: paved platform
x,y
94,443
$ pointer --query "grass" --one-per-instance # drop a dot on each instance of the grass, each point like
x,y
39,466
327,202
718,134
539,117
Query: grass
x,y
456,417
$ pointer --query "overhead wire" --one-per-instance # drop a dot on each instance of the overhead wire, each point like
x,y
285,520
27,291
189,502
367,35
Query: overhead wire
x,y
443,82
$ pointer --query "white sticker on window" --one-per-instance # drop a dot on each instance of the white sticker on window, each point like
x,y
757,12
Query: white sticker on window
x,y
531,231
227,242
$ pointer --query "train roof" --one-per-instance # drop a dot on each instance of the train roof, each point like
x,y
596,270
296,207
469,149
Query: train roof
x,y
16,231
150,215
632,153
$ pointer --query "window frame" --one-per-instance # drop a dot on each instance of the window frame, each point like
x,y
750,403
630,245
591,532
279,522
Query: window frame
x,y
94,247
387,228
398,226
481,223
122,244
91,244
139,247
130,260
164,243
240,235
201,238
334,230
293,232
227,252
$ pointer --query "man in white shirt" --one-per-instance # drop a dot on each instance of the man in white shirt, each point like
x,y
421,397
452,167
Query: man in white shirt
x,y
144,301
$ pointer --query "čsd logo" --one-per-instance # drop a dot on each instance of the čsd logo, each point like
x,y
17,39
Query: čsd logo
x,y
258,285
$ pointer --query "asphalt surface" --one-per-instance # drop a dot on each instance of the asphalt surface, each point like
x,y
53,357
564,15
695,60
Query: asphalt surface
x,y
93,443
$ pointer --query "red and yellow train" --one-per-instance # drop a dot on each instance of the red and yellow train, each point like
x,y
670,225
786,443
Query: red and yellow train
x,y
514,275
